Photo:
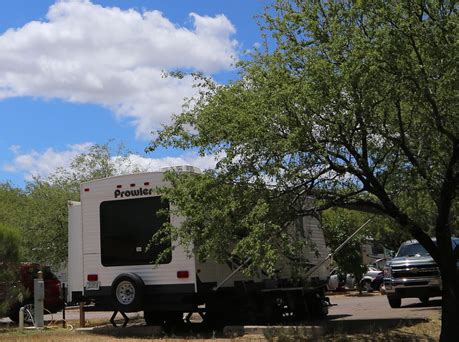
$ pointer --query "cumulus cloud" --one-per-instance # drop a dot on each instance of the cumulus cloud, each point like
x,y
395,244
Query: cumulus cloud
x,y
87,53
44,163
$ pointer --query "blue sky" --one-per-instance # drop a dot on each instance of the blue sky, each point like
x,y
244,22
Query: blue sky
x,y
76,72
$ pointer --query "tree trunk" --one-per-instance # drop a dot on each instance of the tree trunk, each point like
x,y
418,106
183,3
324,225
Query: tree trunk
x,y
450,304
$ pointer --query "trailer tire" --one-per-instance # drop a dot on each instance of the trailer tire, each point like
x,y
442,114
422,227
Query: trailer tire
x,y
127,292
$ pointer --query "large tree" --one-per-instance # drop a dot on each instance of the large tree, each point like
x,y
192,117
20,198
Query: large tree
x,y
355,104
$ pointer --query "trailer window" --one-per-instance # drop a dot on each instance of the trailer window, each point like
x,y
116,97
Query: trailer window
x,y
126,228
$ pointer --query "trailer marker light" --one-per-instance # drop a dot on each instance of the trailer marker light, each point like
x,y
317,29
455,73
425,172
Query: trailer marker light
x,y
119,186
86,190
93,277
132,185
146,183
182,274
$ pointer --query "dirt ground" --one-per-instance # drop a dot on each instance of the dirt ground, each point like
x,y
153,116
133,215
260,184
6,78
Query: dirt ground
x,y
354,318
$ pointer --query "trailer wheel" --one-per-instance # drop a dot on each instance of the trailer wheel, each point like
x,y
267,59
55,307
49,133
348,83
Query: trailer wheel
x,y
127,292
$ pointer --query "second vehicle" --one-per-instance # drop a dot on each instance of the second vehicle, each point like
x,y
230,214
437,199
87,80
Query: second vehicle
x,y
413,274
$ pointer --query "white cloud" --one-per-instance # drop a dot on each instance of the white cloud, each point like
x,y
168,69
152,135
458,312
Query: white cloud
x,y
87,53
15,148
44,163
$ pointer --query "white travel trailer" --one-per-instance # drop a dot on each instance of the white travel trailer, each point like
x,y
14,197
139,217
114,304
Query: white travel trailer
x,y
110,262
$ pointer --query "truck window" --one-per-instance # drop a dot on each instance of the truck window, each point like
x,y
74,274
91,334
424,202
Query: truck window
x,y
126,228
411,250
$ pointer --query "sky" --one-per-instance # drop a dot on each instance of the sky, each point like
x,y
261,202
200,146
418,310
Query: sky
x,y
80,72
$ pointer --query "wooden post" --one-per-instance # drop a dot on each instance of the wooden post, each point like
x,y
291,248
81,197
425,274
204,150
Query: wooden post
x,y
64,295
82,318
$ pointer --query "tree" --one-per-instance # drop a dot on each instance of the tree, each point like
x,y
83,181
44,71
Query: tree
x,y
234,219
99,161
356,106
9,258
13,213
338,225
45,226
12,202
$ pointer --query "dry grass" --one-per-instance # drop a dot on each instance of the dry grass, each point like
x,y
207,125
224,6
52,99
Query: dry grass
x,y
74,336
426,331
430,329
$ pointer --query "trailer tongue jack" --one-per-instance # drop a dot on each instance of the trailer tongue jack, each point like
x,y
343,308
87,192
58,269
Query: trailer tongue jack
x,y
112,319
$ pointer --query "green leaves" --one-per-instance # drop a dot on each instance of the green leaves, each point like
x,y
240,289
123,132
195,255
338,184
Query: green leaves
x,y
9,268
225,219
354,105
45,229
9,244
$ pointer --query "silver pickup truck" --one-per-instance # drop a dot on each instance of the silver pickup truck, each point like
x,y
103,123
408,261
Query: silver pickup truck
x,y
412,274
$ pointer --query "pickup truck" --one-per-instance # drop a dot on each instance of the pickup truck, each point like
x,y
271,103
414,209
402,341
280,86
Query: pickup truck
x,y
412,274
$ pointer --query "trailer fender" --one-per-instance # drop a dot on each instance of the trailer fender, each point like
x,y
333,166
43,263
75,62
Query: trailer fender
x,y
127,292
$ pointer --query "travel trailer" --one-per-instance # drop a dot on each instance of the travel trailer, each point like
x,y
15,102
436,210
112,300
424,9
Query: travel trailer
x,y
110,263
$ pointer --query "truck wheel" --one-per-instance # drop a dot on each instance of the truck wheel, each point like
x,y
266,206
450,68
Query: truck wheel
x,y
394,302
424,300
127,292
365,285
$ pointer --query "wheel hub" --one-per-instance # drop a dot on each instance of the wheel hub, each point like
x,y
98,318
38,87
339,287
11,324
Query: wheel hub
x,y
125,292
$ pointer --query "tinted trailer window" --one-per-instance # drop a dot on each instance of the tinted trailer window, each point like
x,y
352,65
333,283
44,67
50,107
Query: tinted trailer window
x,y
126,228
